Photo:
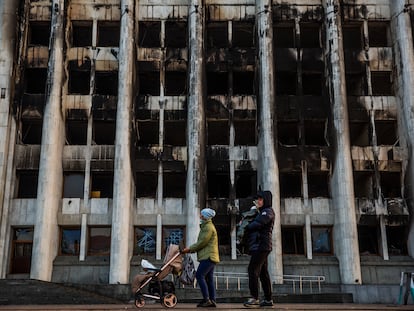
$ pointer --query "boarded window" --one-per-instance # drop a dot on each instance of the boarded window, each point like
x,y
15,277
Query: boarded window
x,y
99,241
73,185
172,235
145,240
293,241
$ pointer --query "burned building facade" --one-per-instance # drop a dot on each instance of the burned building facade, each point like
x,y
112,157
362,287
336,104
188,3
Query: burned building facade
x,y
121,119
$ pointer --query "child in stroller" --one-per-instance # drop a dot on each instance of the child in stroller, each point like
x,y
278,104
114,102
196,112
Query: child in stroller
x,y
158,288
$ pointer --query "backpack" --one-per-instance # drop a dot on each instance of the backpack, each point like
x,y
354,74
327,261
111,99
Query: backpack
x,y
188,273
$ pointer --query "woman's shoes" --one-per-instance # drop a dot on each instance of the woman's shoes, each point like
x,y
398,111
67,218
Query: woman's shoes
x,y
207,304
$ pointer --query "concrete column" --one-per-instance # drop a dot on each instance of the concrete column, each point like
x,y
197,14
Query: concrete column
x,y
267,170
123,198
345,228
404,62
49,191
196,121
7,40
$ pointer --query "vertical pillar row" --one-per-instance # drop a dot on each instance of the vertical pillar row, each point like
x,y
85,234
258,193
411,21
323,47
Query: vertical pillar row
x,y
49,191
121,234
345,227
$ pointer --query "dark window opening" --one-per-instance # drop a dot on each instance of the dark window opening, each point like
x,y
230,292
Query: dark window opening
x,y
174,184
81,33
356,84
222,221
108,34
390,184
217,83
175,133
378,34
22,250
245,132
145,240
175,34
312,84
218,184
243,34
293,241
39,33
70,241
175,83
32,131
243,82
397,240
76,132
149,34
381,82
146,184
315,133
368,240
102,184
73,184
148,133
386,132
288,133
363,185
103,132
359,132
284,36
27,184
149,83
99,241
79,78
321,240
352,36
290,185
106,83
309,35
218,132
245,183
318,185
285,83
35,80
217,35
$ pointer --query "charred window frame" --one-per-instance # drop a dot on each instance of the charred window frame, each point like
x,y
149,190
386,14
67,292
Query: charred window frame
x,y
397,240
312,84
99,242
245,183
243,82
381,83
148,82
27,184
146,184
175,34
360,133
318,184
81,33
175,132
145,240
70,238
217,83
174,184
39,33
310,35
175,83
218,132
73,184
108,33
356,83
315,132
284,35
352,36
149,34
288,132
322,240
386,131
368,240
79,78
35,80
76,132
286,83
106,83
21,255
390,184
243,35
379,34
290,185
102,183
245,132
148,131
103,132
363,184
217,35
31,131
293,241
218,183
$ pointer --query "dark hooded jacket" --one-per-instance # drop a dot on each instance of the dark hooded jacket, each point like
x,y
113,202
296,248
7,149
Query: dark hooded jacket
x,y
260,229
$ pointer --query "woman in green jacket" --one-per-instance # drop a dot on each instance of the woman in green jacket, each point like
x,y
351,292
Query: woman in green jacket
x,y
208,256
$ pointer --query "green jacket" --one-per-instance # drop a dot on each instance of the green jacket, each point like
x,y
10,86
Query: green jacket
x,y
207,243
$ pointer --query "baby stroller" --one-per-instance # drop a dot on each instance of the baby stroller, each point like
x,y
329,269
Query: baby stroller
x,y
158,289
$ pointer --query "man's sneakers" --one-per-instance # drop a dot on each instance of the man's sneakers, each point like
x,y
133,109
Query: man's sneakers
x,y
207,304
266,303
252,303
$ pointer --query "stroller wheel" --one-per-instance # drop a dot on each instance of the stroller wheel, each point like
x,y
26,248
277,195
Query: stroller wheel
x,y
139,302
169,300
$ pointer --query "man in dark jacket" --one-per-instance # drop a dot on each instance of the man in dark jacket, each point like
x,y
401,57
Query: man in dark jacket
x,y
260,245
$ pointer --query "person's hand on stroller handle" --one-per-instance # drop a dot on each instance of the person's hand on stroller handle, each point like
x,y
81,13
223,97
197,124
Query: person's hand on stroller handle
x,y
185,250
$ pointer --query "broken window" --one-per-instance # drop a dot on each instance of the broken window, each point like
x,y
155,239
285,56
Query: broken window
x,y
386,131
76,132
293,241
217,83
149,83
27,184
32,131
218,184
243,82
70,241
363,184
174,184
381,83
312,84
175,83
285,83
356,84
318,184
290,185
81,33
245,133
146,184
35,80
315,133
22,250
245,182
103,132
397,240
175,34
390,184
73,185
145,241
175,133
99,241
284,36
288,133
217,35
352,36
378,34
102,184
149,34
39,33
148,133
108,34
243,34
106,83
321,240
309,35
359,134
368,240
79,77
217,132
